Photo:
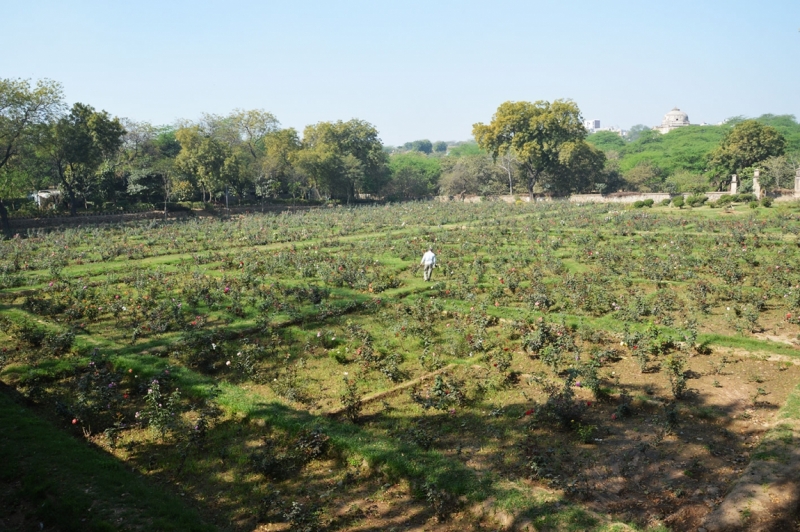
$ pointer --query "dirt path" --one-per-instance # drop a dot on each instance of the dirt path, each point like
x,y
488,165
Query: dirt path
x,y
767,495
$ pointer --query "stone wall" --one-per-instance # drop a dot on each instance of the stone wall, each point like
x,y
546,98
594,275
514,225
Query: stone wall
x,y
619,198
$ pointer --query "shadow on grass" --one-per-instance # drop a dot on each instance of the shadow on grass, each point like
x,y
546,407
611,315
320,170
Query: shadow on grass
x,y
65,484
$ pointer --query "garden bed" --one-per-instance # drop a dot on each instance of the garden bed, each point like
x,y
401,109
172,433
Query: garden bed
x,y
569,367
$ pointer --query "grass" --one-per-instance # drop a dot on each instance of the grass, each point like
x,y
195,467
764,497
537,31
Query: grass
x,y
61,482
493,425
749,344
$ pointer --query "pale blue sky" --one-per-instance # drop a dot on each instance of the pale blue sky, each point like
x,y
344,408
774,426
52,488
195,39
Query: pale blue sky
x,y
414,69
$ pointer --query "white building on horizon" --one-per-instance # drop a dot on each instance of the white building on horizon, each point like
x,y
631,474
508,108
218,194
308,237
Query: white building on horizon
x,y
673,120
591,125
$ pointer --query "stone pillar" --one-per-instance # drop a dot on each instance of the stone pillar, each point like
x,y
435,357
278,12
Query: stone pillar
x,y
797,184
756,184
734,184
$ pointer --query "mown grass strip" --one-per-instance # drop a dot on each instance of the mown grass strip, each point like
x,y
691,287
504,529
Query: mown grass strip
x,y
74,487
749,344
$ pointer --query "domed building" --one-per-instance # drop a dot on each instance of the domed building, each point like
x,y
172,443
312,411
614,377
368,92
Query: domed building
x,y
673,120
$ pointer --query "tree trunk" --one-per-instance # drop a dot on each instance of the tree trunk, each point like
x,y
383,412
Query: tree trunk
x,y
73,208
4,219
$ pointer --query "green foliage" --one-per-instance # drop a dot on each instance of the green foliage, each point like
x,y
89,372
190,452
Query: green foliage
x,y
422,146
746,145
606,141
471,174
679,160
696,200
351,400
344,158
548,141
674,366
413,176
463,149
78,145
162,409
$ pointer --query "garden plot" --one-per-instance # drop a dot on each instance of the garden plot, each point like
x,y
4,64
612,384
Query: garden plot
x,y
575,366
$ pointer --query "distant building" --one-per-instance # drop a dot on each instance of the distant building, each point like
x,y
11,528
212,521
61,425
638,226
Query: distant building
x,y
591,125
673,120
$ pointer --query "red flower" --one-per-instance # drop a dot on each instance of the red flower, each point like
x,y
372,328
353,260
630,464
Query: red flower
x,y
529,412
74,421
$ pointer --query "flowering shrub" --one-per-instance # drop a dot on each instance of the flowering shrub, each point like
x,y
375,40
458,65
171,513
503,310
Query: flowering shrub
x,y
351,400
443,395
162,409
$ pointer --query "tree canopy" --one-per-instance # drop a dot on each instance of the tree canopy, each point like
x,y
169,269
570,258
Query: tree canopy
x,y
78,145
745,146
344,158
687,153
548,140
23,108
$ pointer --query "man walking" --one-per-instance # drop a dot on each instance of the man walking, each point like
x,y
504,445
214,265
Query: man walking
x,y
428,262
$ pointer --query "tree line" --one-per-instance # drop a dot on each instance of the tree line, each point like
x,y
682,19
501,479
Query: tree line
x,y
99,161
700,158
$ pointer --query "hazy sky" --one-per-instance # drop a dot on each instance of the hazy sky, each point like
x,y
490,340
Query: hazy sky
x,y
414,69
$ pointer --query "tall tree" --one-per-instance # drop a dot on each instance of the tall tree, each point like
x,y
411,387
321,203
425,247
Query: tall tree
x,y
746,145
149,161
22,108
78,145
536,133
202,157
413,176
440,146
346,158
278,171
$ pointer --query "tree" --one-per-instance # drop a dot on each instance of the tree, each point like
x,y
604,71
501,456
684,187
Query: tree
x,y
345,158
412,176
606,140
636,131
509,163
579,169
685,181
78,145
277,165
22,108
440,146
747,144
202,157
779,172
471,174
149,161
423,146
644,177
536,133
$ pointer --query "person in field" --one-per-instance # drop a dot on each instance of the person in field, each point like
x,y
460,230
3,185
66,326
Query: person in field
x,y
428,262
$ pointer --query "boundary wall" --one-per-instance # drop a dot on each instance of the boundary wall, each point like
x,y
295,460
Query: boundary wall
x,y
621,197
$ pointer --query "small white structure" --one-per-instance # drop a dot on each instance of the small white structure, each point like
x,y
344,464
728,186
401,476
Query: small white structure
x,y
591,125
673,120
734,184
46,198
757,184
797,184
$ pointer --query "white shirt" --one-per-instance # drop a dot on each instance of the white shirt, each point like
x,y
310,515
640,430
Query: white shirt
x,y
428,259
